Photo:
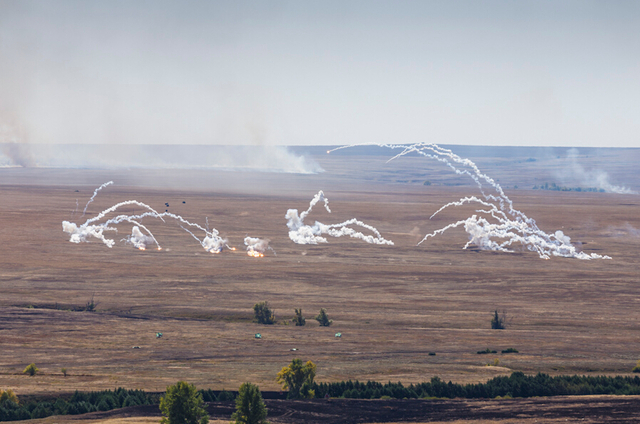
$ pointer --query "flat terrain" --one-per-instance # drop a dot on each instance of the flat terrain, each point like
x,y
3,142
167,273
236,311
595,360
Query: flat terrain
x,y
392,304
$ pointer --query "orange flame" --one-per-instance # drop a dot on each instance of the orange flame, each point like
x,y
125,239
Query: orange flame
x,y
255,253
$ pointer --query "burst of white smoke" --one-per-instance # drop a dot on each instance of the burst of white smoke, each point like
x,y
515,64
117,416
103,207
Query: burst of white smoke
x,y
257,247
508,225
95,227
138,239
301,233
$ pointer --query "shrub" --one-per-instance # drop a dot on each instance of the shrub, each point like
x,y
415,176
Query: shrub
x,y
495,363
250,408
299,319
91,305
498,322
487,350
64,371
510,350
8,396
298,379
263,314
636,368
31,370
323,318
182,404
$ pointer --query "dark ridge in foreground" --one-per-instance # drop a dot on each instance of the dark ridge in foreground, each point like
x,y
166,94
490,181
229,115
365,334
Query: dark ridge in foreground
x,y
609,409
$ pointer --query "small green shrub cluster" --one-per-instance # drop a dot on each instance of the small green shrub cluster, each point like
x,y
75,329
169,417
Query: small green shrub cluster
x,y
510,350
516,385
487,350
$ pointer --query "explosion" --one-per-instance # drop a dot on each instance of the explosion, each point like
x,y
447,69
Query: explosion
x,y
301,233
257,247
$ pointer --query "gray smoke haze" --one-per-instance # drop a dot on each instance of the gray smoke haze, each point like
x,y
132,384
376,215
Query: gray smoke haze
x,y
574,173
237,158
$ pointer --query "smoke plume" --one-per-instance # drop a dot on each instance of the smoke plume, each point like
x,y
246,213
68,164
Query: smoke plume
x,y
507,227
301,233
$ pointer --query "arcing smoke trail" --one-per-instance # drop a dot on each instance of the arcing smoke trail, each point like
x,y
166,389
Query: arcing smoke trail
x,y
212,242
305,234
510,226
95,193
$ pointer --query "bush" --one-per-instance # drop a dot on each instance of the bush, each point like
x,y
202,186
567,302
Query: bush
x,y
498,322
510,350
298,379
182,404
487,350
323,318
8,396
31,370
263,314
64,371
299,319
250,408
636,368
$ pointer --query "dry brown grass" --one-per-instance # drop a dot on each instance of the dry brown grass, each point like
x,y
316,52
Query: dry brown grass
x,y
392,305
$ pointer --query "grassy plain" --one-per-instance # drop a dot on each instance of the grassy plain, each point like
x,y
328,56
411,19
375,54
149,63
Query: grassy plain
x,y
392,304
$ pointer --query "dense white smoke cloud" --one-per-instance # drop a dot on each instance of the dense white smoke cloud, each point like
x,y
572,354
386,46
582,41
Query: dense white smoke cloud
x,y
257,247
301,233
508,225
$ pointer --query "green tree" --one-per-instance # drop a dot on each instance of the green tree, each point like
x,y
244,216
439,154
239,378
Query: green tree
x,y
182,404
263,314
31,370
8,396
498,322
636,368
250,408
298,379
299,319
323,318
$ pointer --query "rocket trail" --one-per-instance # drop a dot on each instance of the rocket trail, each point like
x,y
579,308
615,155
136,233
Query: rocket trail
x,y
508,225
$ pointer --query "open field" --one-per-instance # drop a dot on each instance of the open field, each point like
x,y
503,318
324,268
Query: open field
x,y
392,304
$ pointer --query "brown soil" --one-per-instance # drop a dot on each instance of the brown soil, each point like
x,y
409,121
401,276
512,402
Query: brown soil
x,y
392,305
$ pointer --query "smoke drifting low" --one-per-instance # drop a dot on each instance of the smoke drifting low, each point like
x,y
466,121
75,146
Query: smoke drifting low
x,y
301,233
249,158
575,173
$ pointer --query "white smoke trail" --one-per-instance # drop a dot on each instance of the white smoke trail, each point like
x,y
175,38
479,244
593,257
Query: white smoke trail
x,y
301,233
511,226
257,247
95,193
93,227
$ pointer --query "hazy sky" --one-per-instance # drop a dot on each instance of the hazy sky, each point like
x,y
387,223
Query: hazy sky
x,y
549,73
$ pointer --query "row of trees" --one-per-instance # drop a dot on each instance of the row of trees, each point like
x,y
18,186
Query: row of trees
x,y
79,403
516,385
264,315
